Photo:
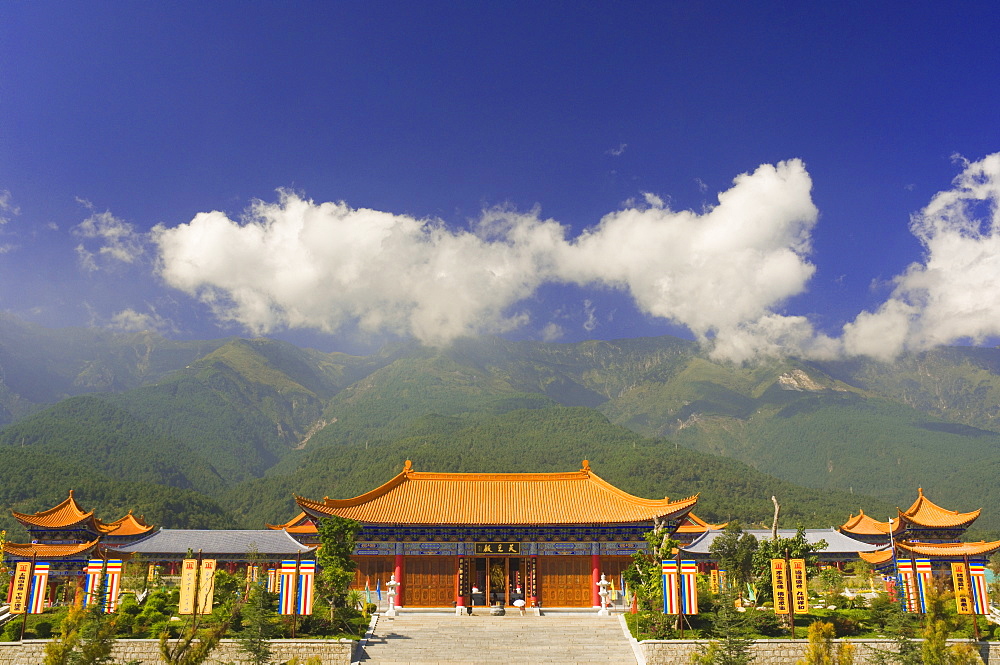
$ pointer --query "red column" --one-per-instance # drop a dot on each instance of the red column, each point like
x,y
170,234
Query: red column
x,y
401,589
595,577
534,581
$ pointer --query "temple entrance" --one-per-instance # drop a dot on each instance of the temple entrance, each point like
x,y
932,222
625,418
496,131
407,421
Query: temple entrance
x,y
564,581
499,577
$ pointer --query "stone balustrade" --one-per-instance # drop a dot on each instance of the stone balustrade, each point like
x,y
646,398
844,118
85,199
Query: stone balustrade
x,y
330,652
789,652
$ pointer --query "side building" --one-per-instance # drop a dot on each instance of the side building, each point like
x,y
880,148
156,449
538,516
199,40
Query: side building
x,y
440,534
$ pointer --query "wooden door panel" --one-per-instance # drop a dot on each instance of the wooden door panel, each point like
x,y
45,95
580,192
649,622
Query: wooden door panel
x,y
429,581
564,581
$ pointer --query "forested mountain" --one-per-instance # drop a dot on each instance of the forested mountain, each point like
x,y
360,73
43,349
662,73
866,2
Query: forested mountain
x,y
242,424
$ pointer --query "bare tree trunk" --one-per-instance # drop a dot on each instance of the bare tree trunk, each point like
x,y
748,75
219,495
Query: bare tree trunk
x,y
774,525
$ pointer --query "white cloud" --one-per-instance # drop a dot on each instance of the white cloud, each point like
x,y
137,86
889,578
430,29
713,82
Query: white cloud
x,y
299,264
129,320
552,332
954,294
617,152
7,207
590,312
116,240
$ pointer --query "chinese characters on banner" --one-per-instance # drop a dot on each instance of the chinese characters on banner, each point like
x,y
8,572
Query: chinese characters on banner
x,y
189,573
22,588
963,593
206,586
800,596
779,585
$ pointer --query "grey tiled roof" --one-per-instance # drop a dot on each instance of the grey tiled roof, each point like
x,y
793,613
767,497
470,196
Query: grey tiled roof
x,y
836,542
214,542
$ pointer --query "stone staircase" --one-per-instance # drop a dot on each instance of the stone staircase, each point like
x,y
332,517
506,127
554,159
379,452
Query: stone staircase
x,y
567,638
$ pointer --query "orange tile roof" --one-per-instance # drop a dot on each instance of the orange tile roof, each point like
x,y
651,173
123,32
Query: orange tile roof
x,y
579,497
925,512
44,551
867,525
298,524
130,525
694,524
981,548
66,514
876,558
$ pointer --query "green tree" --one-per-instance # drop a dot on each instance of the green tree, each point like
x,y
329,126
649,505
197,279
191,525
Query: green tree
x,y
796,547
86,638
735,643
258,625
337,535
734,551
645,574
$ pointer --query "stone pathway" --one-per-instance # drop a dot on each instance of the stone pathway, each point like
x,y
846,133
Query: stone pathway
x,y
423,638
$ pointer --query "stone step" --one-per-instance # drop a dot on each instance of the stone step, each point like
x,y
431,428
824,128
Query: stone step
x,y
440,638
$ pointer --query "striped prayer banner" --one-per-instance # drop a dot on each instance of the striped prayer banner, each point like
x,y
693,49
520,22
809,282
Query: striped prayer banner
x,y
925,581
689,587
112,586
287,583
272,580
908,585
980,593
671,599
39,585
92,586
304,592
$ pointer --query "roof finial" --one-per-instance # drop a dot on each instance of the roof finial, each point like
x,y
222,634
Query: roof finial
x,y
71,494
586,466
408,466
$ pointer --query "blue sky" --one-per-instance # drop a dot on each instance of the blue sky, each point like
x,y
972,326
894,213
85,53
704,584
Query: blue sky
x,y
765,177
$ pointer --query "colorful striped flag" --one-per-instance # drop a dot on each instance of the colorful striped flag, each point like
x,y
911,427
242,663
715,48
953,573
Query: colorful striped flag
x,y
980,595
112,585
92,586
304,592
39,585
689,587
287,596
671,599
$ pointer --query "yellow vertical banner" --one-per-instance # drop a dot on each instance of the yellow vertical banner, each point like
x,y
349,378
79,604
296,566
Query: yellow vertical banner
x,y
713,581
151,573
206,586
189,573
22,588
779,585
963,592
800,595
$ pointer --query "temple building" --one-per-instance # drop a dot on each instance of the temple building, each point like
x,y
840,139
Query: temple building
x,y
66,536
924,521
440,534
925,530
839,548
